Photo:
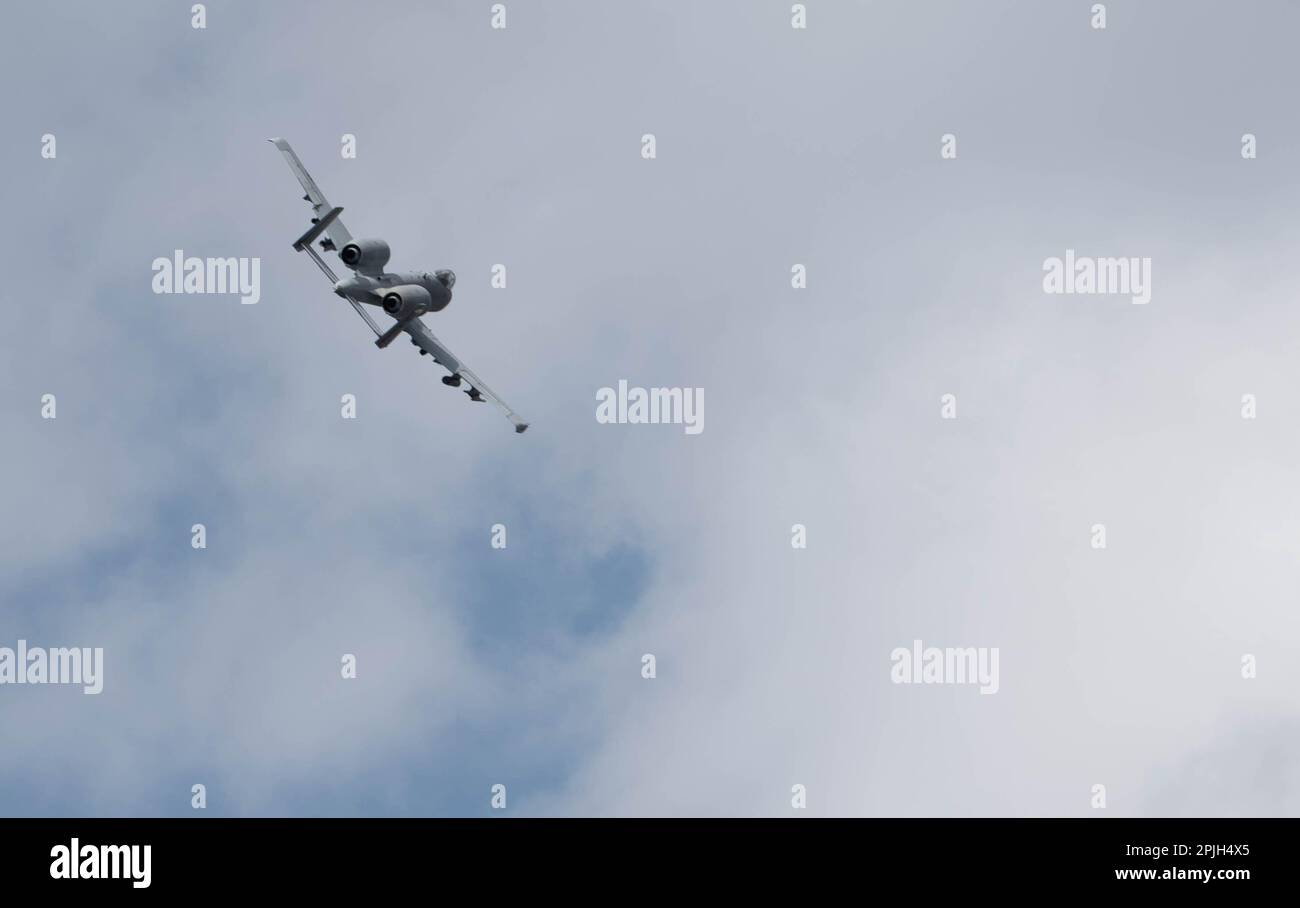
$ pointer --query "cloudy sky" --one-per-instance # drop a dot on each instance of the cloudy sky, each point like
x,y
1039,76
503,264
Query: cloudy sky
x,y
522,666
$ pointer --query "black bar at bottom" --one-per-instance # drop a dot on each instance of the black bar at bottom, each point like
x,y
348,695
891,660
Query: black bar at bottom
x,y
335,857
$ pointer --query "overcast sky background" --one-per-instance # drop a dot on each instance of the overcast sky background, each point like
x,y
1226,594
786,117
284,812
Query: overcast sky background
x,y
522,666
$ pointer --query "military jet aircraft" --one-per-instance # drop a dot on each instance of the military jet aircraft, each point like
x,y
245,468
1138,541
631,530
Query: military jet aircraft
x,y
405,295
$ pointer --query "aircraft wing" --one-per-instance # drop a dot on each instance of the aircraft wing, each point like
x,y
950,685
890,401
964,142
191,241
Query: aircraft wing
x,y
337,234
423,338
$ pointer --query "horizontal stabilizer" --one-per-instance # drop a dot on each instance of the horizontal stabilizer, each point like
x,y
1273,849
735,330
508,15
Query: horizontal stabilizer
x,y
317,229
390,335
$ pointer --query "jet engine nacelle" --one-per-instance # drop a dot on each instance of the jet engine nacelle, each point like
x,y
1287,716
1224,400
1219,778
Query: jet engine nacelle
x,y
407,301
368,256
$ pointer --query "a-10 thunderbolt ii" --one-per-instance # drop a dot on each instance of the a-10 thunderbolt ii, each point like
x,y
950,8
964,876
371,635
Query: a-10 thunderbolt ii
x,y
405,295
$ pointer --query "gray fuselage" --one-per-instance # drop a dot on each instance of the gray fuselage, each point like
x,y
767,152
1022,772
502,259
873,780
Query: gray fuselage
x,y
366,288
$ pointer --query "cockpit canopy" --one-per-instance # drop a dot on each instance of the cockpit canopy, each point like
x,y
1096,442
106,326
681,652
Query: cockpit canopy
x,y
446,277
